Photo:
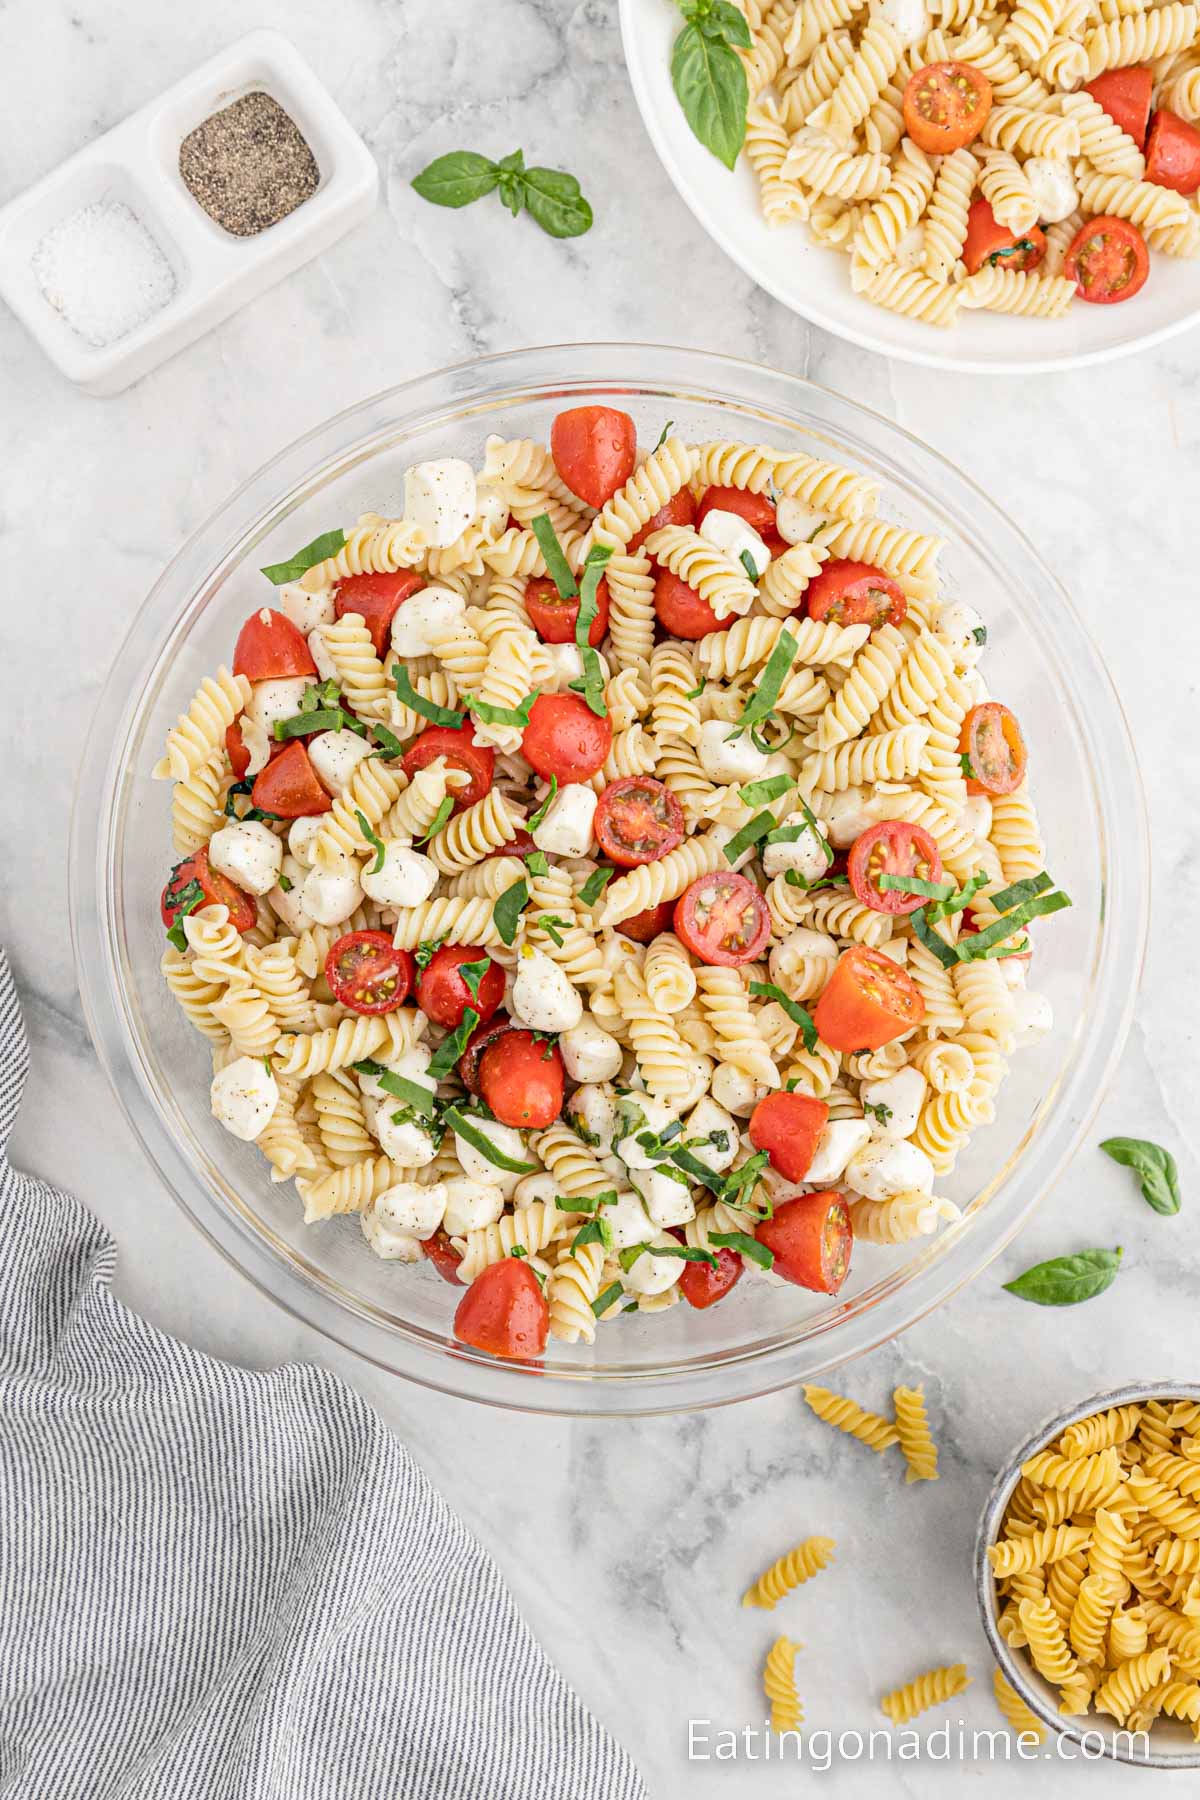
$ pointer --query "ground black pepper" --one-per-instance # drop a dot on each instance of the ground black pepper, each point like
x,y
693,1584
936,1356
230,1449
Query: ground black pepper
x,y
248,165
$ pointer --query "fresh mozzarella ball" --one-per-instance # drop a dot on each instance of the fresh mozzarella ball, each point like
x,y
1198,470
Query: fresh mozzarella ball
x,y
335,755
289,905
730,532
898,1099
272,700
797,947
412,1209
413,1066
491,508
257,744
592,1116
439,499
628,1221
796,522
302,837
705,1120
542,996
391,1245
566,829
567,663
806,853
1015,971
850,815
305,610
840,1140
654,1274
249,853
700,1073
726,758
243,1096
406,1142
959,626
976,815
435,609
509,1143
589,1052
406,878
669,1202
1035,1017
470,1205
907,18
329,899
540,1186
736,1091
657,1116
318,649
884,1168
1053,186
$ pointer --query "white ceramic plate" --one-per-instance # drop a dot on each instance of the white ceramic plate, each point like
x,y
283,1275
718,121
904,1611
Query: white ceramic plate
x,y
815,282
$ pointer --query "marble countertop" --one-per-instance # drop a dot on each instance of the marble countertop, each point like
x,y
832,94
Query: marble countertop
x,y
630,1584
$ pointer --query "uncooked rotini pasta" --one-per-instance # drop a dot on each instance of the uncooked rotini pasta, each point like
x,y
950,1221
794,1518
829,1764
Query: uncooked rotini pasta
x,y
869,1428
916,1439
779,1685
933,1688
788,1572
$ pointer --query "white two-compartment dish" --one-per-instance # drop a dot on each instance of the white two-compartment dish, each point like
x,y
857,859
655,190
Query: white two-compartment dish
x,y
815,282
137,164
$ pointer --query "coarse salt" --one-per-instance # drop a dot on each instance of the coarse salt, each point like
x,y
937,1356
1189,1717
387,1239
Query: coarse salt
x,y
103,272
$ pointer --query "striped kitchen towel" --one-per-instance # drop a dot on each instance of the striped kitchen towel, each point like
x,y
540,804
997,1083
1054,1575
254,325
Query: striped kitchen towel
x,y
223,1584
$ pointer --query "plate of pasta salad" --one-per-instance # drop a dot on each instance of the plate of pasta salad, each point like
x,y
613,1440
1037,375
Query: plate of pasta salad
x,y
982,185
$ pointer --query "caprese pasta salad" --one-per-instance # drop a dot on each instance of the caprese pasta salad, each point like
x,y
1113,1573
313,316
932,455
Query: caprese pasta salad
x,y
610,879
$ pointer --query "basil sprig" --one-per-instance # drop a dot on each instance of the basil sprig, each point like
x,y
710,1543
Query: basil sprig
x,y
1155,1166
745,1245
461,1125
551,197
372,838
1066,1280
428,709
452,1045
321,548
708,75
767,990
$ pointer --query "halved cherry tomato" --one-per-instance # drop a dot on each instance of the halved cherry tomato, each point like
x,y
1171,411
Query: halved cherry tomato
x,y
235,749
988,241
995,750
216,888
680,609
367,973
703,1286
723,919
564,737
288,786
479,1040
270,648
812,1237
1108,261
1125,96
788,1127
867,1001
945,105
679,510
504,1312
638,820
892,848
644,927
520,844
444,1257
855,593
554,618
444,996
594,450
521,1077
457,744
1173,153
377,599
756,509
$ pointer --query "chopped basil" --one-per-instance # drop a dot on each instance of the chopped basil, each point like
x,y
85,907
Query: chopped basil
x,y
757,793
1021,890
585,1203
596,1231
748,563
550,923
321,548
664,434
389,744
769,683
593,678
607,1297
535,820
183,901
364,825
979,633
878,1111
767,990
427,949
428,709
501,715
945,909
418,1099
452,1046
508,909
699,1171
745,1245
462,1127
684,1252
747,1177
751,831
302,724
536,863
992,940
594,886
947,954
964,763
285,884
440,819
1066,1280
913,884
518,1250
695,693
557,565
473,974
1155,1166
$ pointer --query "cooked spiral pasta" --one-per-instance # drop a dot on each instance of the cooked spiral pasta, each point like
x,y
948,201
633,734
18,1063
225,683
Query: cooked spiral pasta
x,y
200,731
374,546
720,581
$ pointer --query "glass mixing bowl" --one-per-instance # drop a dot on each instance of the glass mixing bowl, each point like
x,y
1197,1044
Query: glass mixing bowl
x,y
764,1335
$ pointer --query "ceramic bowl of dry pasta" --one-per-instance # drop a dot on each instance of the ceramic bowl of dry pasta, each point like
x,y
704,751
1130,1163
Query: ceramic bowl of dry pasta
x,y
1088,1571
559,904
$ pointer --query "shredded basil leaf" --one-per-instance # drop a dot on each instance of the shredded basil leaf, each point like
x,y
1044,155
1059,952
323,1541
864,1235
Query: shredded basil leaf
x,y
536,863
913,884
748,563
606,1298
428,709
695,693
302,724
462,1127
508,909
596,1231
757,793
364,825
796,1013
550,923
321,548
427,949
745,1245
411,1092
946,953
585,1203
473,974
769,683
664,434
979,633
452,1046
992,940
501,715
594,886
593,679
440,819
751,831
557,566
536,819
183,901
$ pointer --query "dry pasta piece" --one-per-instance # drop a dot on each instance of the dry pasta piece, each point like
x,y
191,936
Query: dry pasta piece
x,y
1047,1641
916,1440
1023,1721
1011,1556
1130,1681
869,1428
788,1571
933,1688
779,1685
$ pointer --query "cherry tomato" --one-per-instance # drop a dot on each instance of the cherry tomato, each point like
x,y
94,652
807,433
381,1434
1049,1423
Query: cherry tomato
x,y
988,241
1108,261
812,1238
377,599
288,786
644,927
756,509
945,105
679,510
554,619
892,848
444,996
995,750
1125,96
235,749
216,888
788,1127
638,820
702,1286
1173,153
457,745
867,1001
723,919
564,737
680,609
855,593
367,973
270,648
479,1040
521,1078
444,1257
594,450
504,1312
520,844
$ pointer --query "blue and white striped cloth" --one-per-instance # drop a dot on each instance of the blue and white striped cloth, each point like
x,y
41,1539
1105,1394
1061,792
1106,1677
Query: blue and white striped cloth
x,y
234,1585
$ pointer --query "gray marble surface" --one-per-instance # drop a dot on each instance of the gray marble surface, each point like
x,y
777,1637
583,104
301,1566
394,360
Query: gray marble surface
x,y
626,1543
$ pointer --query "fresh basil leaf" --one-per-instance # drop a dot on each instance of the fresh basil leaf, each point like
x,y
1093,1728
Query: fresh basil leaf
x,y
757,793
462,1127
766,691
304,723
913,884
554,201
1022,890
947,954
720,18
557,566
751,567
533,823
508,909
389,744
321,548
457,178
536,863
373,838
664,434
428,709
993,939
751,831
593,679
473,974
417,1098
1066,1280
711,86
745,1245
441,819
501,715
550,924
594,886
607,1297
427,949
452,1046
1155,1166
585,1203
596,1231
796,1013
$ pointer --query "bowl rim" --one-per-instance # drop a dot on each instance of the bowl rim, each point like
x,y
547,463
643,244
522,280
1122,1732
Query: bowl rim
x,y
257,506
988,1532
